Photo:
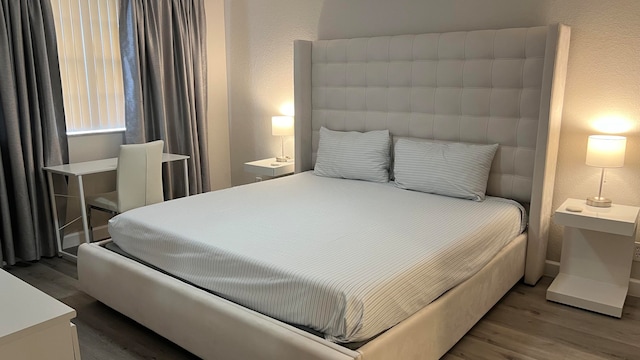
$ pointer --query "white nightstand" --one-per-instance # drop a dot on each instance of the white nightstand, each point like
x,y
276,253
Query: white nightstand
x,y
269,167
597,253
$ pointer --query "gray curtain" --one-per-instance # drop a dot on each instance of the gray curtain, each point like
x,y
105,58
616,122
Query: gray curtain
x,y
164,65
32,129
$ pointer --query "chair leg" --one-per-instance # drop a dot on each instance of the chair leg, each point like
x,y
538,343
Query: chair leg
x,y
89,211
89,221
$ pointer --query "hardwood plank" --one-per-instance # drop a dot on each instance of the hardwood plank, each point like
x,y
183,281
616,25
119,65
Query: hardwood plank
x,y
536,347
62,265
631,309
474,349
53,283
450,357
533,303
96,346
567,331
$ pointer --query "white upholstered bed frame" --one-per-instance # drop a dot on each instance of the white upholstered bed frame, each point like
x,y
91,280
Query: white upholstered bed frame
x,y
375,83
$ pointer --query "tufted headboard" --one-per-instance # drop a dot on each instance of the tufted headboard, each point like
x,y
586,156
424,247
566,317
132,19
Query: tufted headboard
x,y
489,86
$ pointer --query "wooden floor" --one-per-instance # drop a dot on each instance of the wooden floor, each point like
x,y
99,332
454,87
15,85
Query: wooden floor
x,y
522,326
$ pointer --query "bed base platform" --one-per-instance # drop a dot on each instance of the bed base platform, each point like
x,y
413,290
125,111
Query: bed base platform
x,y
183,313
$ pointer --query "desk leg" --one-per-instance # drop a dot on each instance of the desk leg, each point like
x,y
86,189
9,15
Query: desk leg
x,y
83,210
186,178
54,212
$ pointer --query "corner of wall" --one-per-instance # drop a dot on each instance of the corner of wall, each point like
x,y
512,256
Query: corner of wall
x,y
218,95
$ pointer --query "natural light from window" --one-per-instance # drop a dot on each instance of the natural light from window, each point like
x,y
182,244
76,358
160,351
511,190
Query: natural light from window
x,y
90,65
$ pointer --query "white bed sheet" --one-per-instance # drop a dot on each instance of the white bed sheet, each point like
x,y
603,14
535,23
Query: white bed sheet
x,y
345,257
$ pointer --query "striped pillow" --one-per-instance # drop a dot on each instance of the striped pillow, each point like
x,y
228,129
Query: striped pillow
x,y
354,155
451,169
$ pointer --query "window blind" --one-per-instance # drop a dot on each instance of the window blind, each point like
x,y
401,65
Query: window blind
x,y
90,64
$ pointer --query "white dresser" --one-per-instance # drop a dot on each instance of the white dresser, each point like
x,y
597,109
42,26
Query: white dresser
x,y
33,325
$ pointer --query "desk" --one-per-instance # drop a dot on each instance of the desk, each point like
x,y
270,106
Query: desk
x,y
94,167
34,325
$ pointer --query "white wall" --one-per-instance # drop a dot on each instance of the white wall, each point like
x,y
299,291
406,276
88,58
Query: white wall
x,y
218,109
604,70
260,38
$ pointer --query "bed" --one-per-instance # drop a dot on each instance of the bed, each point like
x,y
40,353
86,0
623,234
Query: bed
x,y
483,87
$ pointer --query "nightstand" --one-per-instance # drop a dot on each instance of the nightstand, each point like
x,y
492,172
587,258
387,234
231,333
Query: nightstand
x,y
269,167
597,254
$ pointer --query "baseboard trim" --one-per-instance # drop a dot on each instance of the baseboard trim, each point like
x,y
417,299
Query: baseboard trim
x,y
634,288
76,238
552,268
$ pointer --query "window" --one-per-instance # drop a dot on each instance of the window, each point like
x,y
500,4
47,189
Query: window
x,y
90,64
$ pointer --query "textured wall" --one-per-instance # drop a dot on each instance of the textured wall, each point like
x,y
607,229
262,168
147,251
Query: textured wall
x,y
218,110
260,38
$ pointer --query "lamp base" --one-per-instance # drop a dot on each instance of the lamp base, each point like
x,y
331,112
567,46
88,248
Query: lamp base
x,y
598,201
282,159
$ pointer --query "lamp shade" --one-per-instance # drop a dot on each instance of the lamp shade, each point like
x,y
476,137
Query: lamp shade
x,y
282,125
606,151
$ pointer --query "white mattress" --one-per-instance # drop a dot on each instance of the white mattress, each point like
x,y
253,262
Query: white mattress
x,y
347,258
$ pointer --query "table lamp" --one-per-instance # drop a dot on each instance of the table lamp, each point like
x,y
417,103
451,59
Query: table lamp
x,y
604,151
282,126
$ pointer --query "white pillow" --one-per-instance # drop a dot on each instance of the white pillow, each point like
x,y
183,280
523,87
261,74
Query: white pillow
x,y
354,155
451,169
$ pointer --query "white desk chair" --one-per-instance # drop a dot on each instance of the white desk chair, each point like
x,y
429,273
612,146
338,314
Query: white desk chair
x,y
138,183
